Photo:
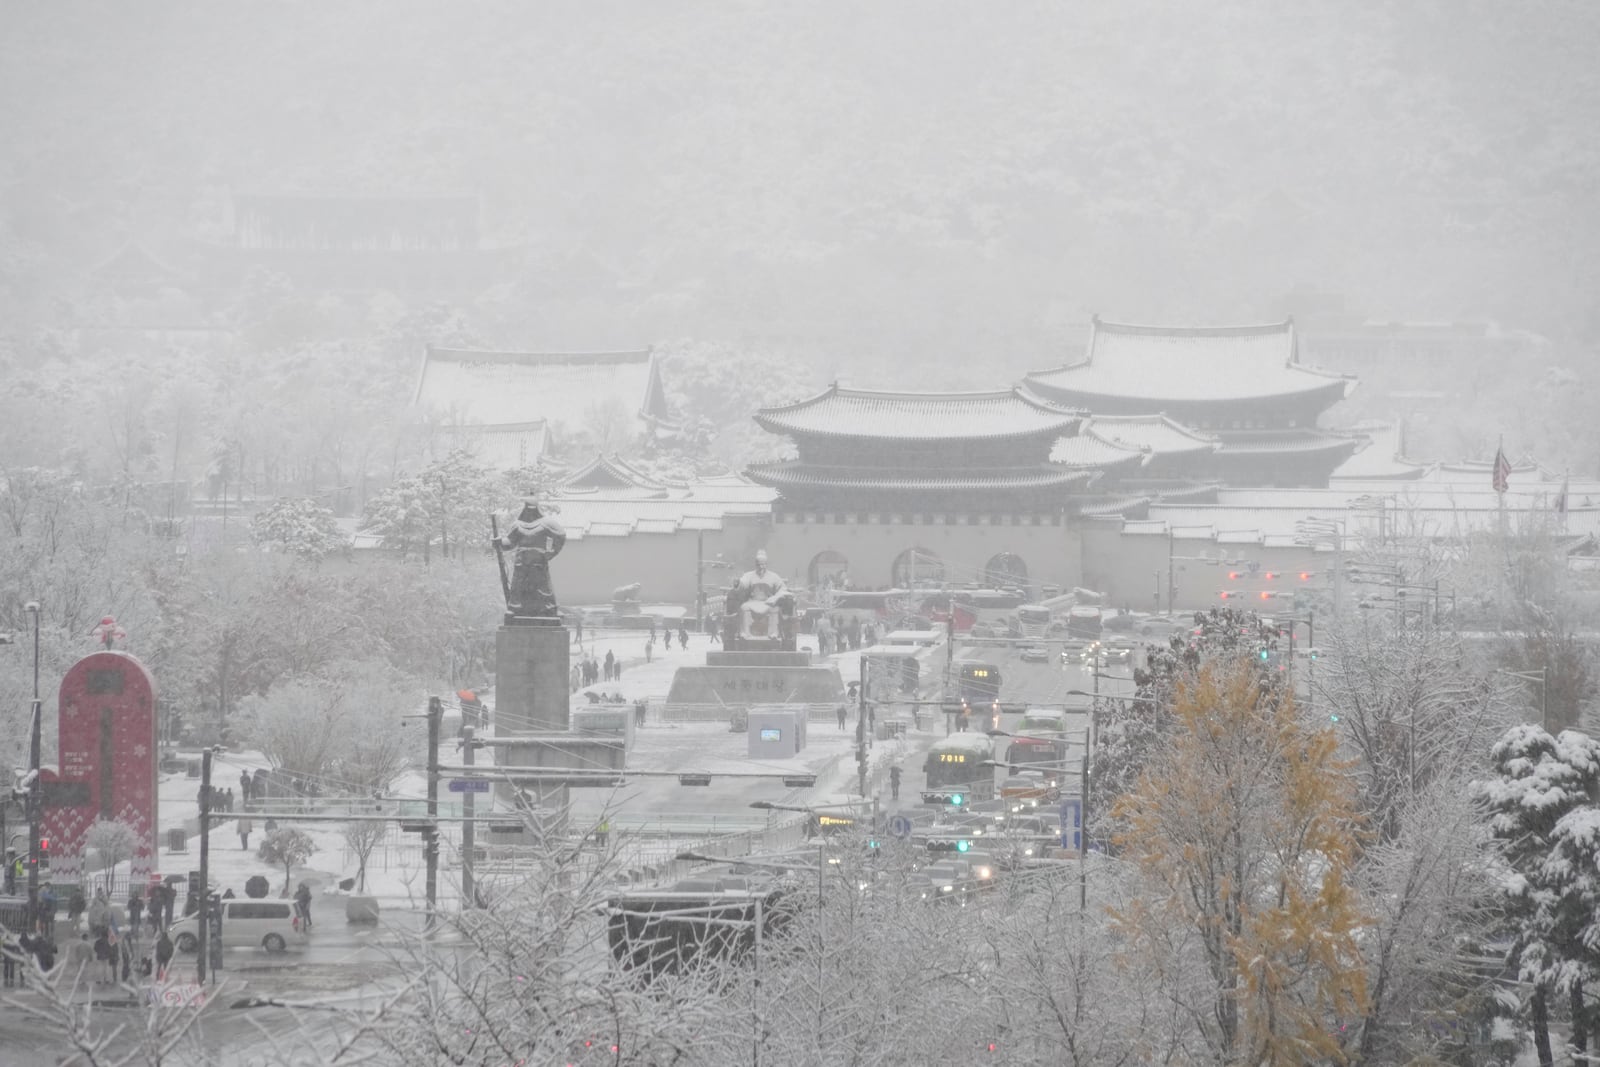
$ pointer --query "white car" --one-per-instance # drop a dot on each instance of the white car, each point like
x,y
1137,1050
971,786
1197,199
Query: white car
x,y
1035,654
246,923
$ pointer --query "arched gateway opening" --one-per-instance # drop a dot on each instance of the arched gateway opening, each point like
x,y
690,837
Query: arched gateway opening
x,y
916,568
1006,571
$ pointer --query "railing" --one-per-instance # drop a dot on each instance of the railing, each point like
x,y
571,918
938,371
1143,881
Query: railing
x,y
664,712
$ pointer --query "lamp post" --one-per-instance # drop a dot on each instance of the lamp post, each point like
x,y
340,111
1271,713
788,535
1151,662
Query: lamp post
x,y
33,801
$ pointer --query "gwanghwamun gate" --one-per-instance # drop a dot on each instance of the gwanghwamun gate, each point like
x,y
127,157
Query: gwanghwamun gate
x,y
1163,467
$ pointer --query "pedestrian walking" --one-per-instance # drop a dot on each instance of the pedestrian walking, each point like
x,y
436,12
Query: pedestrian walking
x,y
104,951
76,905
666,638
302,905
47,912
163,956
100,918
245,792
244,828
135,910
611,665
683,637
894,781
842,713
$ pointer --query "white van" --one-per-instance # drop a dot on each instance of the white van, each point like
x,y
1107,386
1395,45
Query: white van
x,y
267,924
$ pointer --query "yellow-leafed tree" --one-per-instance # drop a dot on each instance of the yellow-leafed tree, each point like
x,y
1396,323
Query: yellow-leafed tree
x,y
1245,827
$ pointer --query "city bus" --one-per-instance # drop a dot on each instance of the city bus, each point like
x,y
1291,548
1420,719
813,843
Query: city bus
x,y
1038,754
978,690
1084,621
962,762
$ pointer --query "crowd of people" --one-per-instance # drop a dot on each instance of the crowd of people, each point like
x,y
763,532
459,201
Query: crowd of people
x,y
840,634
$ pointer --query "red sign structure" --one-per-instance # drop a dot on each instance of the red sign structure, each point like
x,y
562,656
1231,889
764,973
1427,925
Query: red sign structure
x,y
107,761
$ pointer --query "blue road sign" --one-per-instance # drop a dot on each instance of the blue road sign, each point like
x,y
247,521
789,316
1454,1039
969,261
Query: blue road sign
x,y
469,785
900,826
1071,823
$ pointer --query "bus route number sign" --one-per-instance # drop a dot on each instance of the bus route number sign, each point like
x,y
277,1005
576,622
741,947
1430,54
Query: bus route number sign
x,y
952,757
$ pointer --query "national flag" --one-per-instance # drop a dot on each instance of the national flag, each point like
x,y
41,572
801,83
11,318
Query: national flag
x,y
1561,497
1502,471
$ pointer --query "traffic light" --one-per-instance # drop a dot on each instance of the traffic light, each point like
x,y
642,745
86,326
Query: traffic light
x,y
44,845
941,796
872,842
949,844
1265,655
1333,716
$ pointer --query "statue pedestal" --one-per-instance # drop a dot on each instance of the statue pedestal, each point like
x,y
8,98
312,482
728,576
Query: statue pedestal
x,y
766,677
532,667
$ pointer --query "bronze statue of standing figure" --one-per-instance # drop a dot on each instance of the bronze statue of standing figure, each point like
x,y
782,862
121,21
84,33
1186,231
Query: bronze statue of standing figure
x,y
534,539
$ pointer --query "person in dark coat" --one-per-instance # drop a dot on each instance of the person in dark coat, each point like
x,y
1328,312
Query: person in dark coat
x,y
105,951
894,781
135,911
245,792
611,665
683,636
163,955
302,903
77,904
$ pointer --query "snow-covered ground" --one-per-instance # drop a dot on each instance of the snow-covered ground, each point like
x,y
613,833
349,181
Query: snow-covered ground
x,y
649,816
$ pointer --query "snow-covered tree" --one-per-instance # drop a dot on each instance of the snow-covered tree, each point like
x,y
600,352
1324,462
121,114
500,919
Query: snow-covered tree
x,y
1246,828
112,841
1538,782
300,527
287,848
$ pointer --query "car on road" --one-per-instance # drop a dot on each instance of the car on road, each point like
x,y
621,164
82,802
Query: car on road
x,y
246,923
1118,650
1036,654
1078,650
951,881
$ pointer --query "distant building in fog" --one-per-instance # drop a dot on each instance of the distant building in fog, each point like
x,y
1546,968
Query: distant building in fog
x,y
1244,385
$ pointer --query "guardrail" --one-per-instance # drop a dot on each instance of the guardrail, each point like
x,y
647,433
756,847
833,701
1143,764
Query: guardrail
x,y
664,712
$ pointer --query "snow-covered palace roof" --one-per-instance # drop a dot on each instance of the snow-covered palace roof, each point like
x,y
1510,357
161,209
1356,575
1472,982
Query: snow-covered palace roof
x,y
1138,369
841,412
562,388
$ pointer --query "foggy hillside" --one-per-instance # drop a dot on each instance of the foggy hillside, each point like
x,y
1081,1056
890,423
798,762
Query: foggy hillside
x,y
881,179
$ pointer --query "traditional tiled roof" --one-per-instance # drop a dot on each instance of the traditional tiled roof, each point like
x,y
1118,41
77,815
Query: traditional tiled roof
x,y
1383,457
1152,433
562,388
842,412
506,446
794,475
1086,452
1257,442
1156,366
618,512
611,472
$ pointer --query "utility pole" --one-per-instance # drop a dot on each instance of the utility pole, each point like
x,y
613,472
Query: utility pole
x,y
35,793
699,580
861,730
1083,836
469,749
430,836
204,923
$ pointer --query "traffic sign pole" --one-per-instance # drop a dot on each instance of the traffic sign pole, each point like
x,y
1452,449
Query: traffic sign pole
x,y
469,750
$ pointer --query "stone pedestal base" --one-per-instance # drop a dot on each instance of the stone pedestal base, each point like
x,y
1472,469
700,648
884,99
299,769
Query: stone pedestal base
x,y
532,664
757,678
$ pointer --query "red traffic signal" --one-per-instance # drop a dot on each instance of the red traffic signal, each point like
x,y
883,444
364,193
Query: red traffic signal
x,y
44,844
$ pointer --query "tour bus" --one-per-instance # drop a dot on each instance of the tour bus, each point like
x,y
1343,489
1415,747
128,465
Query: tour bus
x,y
1084,621
964,763
1033,620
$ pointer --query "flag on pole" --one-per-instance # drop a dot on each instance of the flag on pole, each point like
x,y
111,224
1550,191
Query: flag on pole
x,y
1561,497
1502,471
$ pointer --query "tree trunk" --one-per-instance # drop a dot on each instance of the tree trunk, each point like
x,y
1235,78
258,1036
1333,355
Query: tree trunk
x,y
1540,1017
1580,1024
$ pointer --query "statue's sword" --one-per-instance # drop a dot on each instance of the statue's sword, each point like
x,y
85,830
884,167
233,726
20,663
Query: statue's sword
x,y
499,557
